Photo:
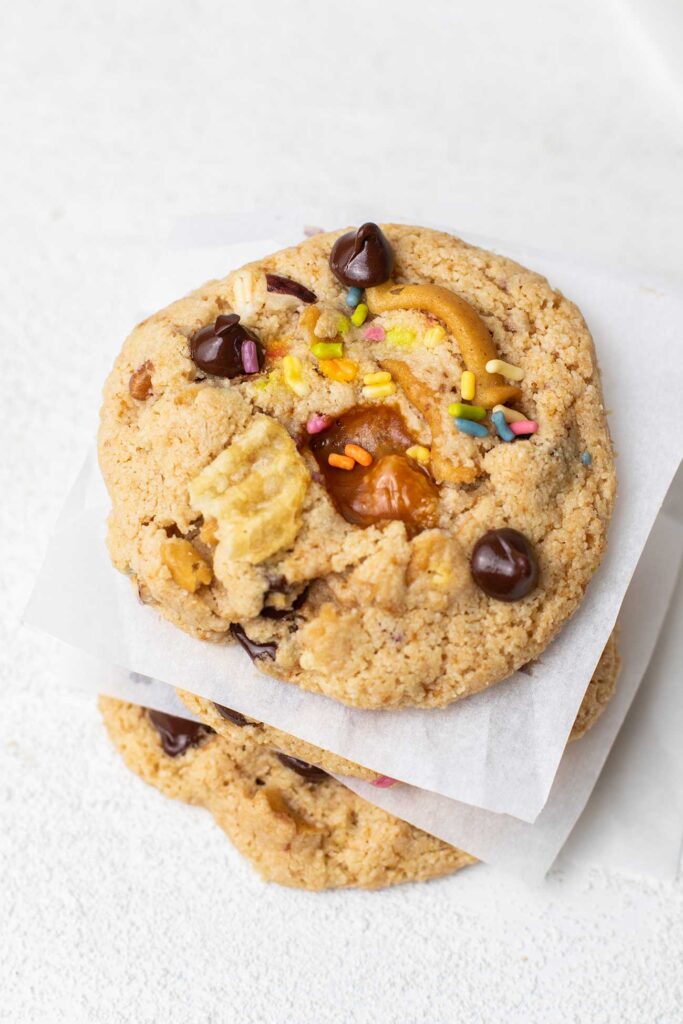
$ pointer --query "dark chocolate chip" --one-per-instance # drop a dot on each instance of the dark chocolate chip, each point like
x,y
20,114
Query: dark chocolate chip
x,y
362,258
217,348
285,286
504,564
232,716
307,771
177,734
253,648
224,322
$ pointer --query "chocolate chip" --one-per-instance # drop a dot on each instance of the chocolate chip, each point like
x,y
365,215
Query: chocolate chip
x,y
140,383
217,348
232,716
177,734
307,771
362,258
253,648
504,564
285,286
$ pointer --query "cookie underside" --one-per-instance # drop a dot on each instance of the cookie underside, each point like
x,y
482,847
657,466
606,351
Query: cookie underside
x,y
598,694
306,835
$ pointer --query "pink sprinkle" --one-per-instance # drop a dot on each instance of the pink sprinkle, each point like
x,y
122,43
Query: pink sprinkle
x,y
374,333
384,782
317,423
523,426
249,356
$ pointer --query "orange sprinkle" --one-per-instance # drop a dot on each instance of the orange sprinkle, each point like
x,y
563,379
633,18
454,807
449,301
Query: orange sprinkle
x,y
340,461
343,370
358,454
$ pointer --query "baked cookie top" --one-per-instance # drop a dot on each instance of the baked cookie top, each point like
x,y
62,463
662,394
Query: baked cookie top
x,y
378,459
235,726
296,825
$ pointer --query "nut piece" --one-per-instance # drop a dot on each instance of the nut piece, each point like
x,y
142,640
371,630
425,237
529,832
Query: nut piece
x,y
308,321
327,324
140,383
254,489
187,567
463,322
207,533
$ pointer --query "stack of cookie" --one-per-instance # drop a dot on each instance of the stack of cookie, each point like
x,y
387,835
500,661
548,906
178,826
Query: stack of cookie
x,y
378,461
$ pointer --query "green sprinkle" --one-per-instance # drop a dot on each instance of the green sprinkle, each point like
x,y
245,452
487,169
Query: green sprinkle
x,y
328,350
466,412
343,326
359,314
400,337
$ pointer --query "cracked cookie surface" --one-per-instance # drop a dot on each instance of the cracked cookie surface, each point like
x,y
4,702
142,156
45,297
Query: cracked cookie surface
x,y
307,834
365,595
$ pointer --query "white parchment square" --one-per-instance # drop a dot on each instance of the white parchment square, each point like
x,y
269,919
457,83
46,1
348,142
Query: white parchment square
x,y
498,750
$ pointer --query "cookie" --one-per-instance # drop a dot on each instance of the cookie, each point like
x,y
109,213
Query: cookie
x,y
600,689
303,830
393,492
232,724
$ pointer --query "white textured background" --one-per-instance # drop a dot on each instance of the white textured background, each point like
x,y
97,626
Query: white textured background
x,y
559,124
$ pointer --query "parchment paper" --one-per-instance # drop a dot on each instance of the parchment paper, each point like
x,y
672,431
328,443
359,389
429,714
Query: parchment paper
x,y
498,750
635,819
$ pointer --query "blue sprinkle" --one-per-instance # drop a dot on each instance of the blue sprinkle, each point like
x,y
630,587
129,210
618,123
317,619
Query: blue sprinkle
x,y
502,429
470,427
353,297
586,458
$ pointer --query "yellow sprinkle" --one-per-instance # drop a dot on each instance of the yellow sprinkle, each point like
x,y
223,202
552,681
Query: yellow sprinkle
x,y
511,415
381,377
379,390
359,314
343,370
343,326
468,385
419,453
434,336
292,371
506,369
400,337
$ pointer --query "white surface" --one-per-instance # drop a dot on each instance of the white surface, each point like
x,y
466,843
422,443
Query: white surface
x,y
115,905
500,749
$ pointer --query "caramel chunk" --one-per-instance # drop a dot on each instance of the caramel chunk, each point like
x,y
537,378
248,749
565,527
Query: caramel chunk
x,y
392,486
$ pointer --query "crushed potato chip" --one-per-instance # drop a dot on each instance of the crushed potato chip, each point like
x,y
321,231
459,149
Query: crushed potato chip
x,y
254,489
